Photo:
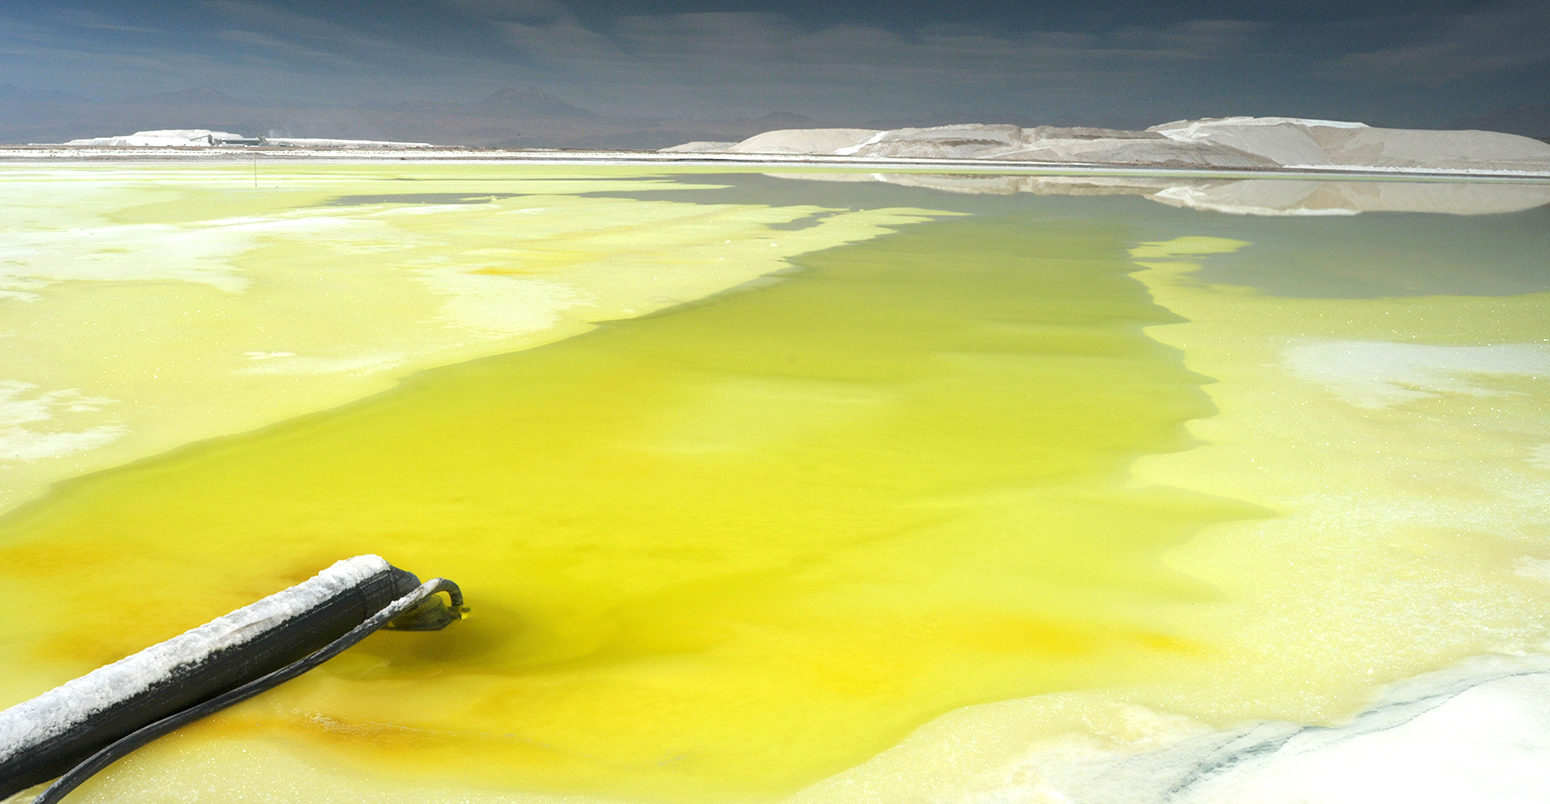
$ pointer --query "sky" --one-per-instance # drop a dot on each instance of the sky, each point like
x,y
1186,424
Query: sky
x,y
1128,62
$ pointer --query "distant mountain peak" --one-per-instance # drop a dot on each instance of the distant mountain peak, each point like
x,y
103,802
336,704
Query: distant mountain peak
x,y
512,95
783,117
202,95
533,102
13,92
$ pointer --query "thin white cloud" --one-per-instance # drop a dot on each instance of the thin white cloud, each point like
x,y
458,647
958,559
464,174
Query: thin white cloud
x,y
81,18
730,64
762,58
1193,39
246,49
718,37
716,64
285,52
531,12
319,33
1460,47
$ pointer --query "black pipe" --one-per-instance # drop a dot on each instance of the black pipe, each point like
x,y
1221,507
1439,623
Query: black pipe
x,y
64,728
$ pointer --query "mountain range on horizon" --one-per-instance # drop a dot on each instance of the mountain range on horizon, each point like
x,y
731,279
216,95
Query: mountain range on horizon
x,y
508,117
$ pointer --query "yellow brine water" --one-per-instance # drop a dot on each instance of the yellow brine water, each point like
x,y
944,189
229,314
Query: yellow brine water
x,y
736,546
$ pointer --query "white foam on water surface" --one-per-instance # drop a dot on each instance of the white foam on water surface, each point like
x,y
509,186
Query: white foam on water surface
x,y
502,305
1379,374
26,413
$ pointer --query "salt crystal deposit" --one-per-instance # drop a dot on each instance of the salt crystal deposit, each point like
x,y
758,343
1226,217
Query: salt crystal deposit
x,y
1265,143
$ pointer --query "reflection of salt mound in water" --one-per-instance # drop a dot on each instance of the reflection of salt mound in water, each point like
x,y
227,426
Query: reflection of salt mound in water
x,y
1253,197
1239,197
1289,197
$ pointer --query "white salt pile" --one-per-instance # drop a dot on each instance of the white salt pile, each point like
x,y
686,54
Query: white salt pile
x,y
1214,143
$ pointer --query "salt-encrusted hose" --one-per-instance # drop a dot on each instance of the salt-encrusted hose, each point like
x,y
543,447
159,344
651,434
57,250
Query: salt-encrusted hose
x,y
124,745
83,726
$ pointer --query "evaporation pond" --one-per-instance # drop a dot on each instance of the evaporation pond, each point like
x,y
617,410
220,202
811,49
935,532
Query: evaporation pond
x,y
721,540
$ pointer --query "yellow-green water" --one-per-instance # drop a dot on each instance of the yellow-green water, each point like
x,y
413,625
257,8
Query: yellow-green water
x,y
735,547
148,306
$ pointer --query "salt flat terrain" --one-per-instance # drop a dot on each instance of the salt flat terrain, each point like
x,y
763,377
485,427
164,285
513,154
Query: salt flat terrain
x,y
1296,542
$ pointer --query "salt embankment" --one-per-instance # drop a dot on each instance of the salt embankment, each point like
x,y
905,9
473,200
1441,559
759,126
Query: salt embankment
x,y
166,138
206,138
1233,143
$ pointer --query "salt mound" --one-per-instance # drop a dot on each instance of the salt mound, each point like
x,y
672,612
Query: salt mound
x,y
1295,142
699,147
1477,150
1212,143
1283,141
169,138
335,142
967,141
803,141
995,141
204,138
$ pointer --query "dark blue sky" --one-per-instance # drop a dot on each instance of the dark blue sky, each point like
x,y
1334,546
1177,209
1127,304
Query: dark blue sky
x,y
1129,62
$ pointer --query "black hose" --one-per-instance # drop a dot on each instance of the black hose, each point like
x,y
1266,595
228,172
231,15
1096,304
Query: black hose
x,y
124,745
